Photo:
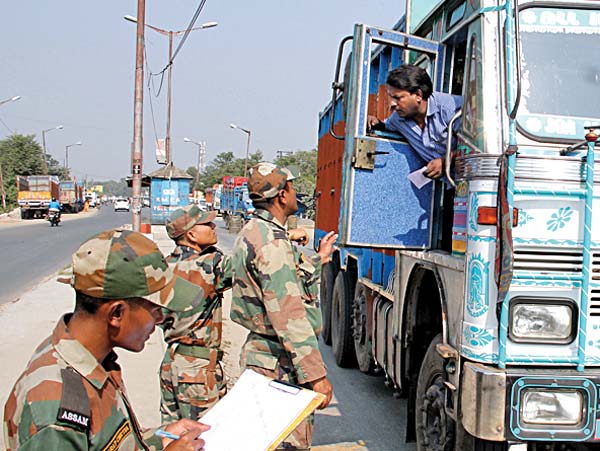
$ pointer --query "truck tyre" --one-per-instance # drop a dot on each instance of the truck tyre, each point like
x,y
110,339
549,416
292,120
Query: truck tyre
x,y
341,321
326,289
435,430
363,344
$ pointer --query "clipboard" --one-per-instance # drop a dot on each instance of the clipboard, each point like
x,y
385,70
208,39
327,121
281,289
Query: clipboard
x,y
257,414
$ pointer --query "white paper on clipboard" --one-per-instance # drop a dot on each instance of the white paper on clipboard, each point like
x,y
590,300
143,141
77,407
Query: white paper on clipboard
x,y
257,414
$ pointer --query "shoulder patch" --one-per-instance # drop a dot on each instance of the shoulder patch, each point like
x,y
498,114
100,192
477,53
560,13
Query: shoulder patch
x,y
74,408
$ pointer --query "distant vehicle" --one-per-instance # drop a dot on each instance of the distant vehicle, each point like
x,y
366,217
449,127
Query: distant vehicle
x,y
202,205
71,196
34,193
54,217
122,204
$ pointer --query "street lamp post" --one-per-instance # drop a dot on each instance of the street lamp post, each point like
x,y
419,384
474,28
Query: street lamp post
x,y
58,127
12,99
78,143
249,133
170,34
201,152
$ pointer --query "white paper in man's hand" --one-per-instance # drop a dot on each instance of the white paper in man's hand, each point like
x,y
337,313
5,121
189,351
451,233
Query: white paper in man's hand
x,y
418,178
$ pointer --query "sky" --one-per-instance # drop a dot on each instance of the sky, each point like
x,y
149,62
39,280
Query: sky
x,y
267,67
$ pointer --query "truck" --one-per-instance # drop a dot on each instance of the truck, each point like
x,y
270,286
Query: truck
x,y
493,335
236,206
209,198
218,192
71,196
91,197
34,193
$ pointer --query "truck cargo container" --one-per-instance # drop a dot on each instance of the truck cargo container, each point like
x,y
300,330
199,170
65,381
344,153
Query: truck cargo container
x,y
71,196
34,193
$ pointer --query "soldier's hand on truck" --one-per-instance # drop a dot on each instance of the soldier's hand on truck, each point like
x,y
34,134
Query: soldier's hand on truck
x,y
299,236
323,386
435,169
327,246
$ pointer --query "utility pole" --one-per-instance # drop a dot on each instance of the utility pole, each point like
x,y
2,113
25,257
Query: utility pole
x,y
136,154
168,137
170,34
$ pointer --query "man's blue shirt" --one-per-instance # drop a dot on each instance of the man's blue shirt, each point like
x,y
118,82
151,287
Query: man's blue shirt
x,y
429,142
54,204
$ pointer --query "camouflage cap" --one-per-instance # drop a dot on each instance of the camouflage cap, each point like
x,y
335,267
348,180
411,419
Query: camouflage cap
x,y
121,264
183,219
266,179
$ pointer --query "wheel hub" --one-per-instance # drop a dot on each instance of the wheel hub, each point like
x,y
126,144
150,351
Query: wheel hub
x,y
436,434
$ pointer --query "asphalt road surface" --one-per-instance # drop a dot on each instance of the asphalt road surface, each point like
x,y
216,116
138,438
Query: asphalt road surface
x,y
33,250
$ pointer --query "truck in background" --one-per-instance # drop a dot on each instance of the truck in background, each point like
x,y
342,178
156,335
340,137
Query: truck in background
x,y
71,196
34,193
492,336
236,206
209,198
217,194
91,197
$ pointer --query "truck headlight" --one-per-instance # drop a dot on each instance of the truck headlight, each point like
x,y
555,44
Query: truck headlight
x,y
533,321
552,407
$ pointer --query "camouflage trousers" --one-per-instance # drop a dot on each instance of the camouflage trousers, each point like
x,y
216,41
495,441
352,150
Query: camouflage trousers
x,y
189,385
301,438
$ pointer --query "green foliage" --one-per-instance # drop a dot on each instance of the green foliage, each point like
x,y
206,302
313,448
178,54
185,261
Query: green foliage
x,y
113,188
19,155
303,163
224,164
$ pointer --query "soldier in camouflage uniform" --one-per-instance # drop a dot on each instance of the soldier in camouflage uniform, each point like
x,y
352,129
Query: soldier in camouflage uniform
x,y
71,395
275,293
191,375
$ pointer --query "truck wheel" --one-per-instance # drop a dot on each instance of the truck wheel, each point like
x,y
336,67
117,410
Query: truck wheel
x,y
434,428
363,344
327,281
341,321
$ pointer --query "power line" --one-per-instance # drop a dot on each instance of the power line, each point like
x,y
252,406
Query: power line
x,y
7,127
185,36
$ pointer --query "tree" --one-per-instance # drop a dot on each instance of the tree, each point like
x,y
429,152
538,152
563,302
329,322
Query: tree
x,y
224,164
303,163
19,155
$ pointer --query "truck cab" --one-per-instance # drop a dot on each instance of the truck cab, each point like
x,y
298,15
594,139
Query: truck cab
x,y
492,334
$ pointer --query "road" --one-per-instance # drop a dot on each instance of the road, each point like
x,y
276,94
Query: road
x,y
32,251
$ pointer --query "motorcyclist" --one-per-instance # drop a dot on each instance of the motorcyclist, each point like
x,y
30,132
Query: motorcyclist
x,y
54,207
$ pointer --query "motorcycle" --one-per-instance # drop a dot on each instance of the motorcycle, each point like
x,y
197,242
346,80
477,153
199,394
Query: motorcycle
x,y
54,217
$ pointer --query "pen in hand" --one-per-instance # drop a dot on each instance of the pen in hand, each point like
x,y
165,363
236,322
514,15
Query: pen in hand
x,y
164,434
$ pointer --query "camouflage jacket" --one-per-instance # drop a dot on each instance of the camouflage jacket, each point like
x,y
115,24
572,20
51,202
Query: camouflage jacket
x,y
34,415
210,270
274,295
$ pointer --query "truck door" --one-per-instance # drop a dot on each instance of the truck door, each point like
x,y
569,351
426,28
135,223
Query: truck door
x,y
380,206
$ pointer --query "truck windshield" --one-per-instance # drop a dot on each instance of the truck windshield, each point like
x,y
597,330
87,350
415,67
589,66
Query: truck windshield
x,y
560,71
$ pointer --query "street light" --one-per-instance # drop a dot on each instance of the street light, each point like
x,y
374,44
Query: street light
x,y
58,127
249,133
12,99
170,34
78,143
201,151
